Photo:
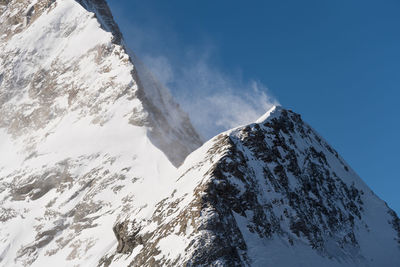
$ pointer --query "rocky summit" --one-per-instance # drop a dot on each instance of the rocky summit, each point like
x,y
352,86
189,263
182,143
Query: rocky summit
x,y
100,167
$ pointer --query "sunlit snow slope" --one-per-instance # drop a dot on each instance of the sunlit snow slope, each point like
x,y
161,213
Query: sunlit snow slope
x,y
84,139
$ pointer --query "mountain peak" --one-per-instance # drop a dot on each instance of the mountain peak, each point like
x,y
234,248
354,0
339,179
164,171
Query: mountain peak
x,y
255,194
273,112
83,129
105,17
84,35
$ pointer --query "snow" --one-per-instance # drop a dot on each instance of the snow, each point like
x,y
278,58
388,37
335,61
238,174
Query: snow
x,y
267,115
9,156
171,246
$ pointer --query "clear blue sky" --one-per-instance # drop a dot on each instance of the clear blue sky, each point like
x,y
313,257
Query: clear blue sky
x,y
335,62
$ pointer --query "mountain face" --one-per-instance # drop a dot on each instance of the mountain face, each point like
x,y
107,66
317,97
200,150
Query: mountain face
x,y
272,193
86,136
100,167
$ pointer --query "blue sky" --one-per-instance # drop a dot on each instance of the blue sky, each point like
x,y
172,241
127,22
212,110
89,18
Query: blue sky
x,y
337,63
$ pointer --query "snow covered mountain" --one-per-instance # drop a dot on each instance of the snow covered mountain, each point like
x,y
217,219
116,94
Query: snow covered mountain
x,y
100,167
272,193
85,136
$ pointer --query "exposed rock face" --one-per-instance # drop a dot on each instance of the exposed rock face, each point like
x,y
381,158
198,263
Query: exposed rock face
x,y
256,194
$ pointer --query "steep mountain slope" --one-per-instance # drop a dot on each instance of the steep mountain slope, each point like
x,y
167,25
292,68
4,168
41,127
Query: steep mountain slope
x,y
84,138
58,57
272,193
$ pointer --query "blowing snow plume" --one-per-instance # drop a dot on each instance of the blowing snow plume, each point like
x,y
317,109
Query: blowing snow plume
x,y
214,100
